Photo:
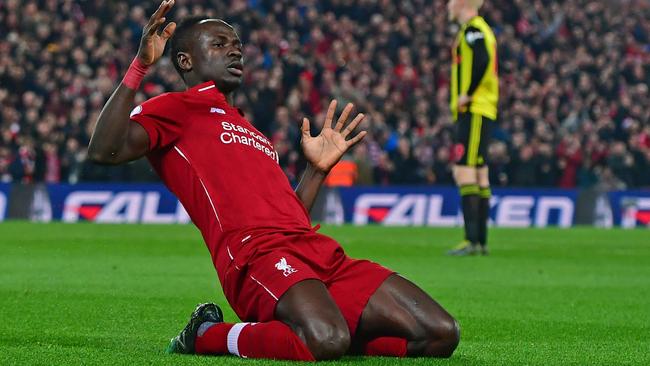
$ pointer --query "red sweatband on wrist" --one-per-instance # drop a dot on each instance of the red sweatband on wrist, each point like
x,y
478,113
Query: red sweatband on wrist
x,y
135,74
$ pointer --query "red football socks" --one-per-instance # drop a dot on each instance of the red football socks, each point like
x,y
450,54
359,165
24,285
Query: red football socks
x,y
386,346
272,340
275,340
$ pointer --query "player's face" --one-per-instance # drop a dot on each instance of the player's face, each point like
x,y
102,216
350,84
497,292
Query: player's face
x,y
217,55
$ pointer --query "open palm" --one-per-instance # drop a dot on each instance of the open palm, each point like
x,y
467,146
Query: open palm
x,y
152,43
326,149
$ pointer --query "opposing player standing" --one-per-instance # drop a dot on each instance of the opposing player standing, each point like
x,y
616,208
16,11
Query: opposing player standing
x,y
299,295
474,95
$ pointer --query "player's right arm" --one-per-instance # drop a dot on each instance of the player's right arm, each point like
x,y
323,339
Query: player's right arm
x,y
115,139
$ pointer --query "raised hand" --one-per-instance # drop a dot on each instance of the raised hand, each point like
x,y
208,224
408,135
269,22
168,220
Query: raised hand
x,y
326,149
152,43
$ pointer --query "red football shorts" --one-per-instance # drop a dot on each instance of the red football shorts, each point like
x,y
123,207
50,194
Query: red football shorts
x,y
259,270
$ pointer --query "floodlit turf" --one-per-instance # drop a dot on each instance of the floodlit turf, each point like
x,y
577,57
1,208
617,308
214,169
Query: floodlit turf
x,y
114,295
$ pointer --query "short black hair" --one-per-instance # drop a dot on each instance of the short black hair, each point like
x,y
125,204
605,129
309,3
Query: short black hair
x,y
182,38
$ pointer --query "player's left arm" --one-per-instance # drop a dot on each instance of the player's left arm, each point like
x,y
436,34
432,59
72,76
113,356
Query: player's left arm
x,y
325,150
480,61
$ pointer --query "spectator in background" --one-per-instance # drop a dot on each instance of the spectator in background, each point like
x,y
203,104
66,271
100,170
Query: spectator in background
x,y
47,164
22,166
364,167
587,177
621,163
343,174
442,173
570,160
406,167
72,161
5,163
383,170
546,174
525,173
499,164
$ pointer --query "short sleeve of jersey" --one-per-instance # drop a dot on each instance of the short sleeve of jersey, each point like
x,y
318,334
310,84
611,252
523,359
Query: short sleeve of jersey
x,y
161,117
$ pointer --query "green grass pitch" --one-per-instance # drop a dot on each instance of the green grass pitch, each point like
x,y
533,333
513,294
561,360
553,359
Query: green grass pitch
x,y
115,294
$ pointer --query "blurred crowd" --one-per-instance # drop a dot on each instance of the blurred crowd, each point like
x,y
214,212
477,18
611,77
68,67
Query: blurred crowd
x,y
574,106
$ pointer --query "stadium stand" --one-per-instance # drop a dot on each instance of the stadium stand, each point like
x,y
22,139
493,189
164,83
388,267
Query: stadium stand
x,y
574,89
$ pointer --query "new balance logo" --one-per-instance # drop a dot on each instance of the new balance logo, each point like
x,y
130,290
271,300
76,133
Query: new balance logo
x,y
285,268
217,110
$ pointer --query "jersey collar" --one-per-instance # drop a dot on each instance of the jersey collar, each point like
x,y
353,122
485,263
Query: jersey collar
x,y
210,91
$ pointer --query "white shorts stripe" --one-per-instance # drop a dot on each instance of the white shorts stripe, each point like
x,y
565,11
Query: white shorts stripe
x,y
266,288
233,338
203,185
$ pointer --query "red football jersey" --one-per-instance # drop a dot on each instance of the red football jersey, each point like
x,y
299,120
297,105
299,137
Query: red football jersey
x,y
223,170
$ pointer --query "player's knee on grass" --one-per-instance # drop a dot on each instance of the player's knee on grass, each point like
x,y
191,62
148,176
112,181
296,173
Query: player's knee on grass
x,y
318,321
448,336
326,340
439,338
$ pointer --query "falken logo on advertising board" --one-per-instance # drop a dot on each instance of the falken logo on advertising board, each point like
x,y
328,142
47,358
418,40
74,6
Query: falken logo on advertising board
x,y
121,204
441,207
122,207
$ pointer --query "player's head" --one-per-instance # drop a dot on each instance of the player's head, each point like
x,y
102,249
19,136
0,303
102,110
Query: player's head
x,y
205,49
456,8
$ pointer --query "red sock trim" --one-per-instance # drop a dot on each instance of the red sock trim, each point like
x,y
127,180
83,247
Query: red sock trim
x,y
135,74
